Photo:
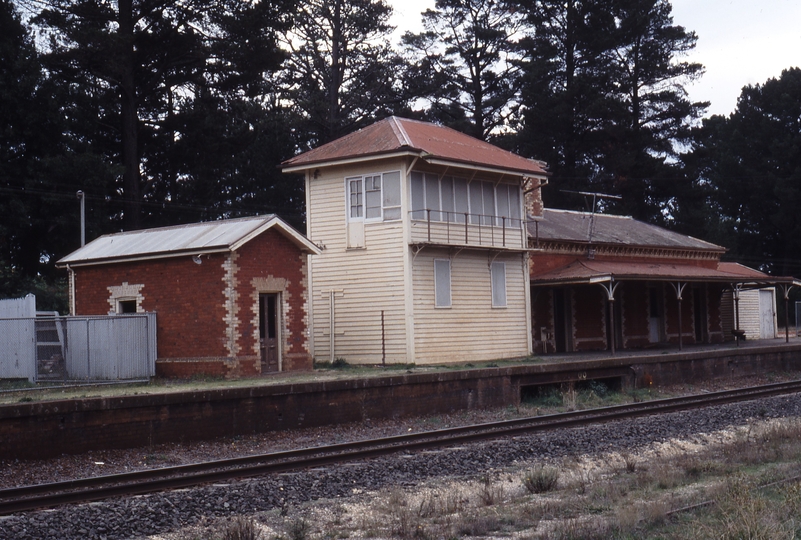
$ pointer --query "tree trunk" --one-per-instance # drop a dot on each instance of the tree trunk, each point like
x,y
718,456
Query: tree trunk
x,y
336,72
132,205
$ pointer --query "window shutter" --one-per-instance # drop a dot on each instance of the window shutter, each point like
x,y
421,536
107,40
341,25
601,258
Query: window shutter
x,y
498,271
442,282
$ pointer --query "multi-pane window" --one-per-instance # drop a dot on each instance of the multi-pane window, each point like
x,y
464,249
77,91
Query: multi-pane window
x,y
356,198
498,279
374,197
442,283
450,198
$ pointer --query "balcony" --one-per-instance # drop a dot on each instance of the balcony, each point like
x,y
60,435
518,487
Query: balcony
x,y
461,229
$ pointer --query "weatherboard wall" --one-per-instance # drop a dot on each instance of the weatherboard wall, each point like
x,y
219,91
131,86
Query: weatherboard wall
x,y
364,282
471,329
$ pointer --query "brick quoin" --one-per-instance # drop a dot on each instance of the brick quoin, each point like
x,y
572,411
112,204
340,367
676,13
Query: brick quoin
x,y
207,313
273,258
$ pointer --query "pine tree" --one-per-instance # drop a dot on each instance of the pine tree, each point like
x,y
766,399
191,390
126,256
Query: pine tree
x,y
752,162
138,63
605,103
567,92
465,64
653,116
342,73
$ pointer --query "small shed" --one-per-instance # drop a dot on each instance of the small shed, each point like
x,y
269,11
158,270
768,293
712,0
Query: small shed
x,y
754,313
230,295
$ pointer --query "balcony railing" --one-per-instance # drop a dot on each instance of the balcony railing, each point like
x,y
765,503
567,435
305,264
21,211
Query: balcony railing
x,y
464,229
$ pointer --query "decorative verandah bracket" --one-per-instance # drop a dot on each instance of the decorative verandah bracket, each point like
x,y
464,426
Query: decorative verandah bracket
x,y
678,287
610,287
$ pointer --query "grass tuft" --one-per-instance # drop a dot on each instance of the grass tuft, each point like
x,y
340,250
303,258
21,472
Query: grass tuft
x,y
541,479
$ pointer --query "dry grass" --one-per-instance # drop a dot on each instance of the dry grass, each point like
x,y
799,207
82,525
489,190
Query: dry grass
x,y
541,479
623,496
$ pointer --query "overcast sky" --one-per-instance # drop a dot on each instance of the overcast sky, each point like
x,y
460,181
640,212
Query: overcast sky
x,y
740,42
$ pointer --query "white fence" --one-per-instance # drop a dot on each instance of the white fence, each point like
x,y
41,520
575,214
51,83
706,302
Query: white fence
x,y
78,348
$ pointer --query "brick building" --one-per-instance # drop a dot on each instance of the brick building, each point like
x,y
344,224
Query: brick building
x,y
230,296
594,276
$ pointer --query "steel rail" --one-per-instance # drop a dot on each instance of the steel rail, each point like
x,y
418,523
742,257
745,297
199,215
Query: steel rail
x,y
138,482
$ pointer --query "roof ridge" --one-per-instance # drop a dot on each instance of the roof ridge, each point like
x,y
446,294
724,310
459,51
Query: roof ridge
x,y
265,217
583,213
399,130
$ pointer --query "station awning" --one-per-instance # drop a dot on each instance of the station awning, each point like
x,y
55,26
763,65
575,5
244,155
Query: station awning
x,y
592,271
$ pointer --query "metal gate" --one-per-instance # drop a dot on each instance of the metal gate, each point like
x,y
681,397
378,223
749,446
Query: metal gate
x,y
53,348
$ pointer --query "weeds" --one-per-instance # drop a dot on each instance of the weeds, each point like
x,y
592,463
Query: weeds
x,y
541,479
578,529
241,529
743,513
629,462
489,492
299,529
569,397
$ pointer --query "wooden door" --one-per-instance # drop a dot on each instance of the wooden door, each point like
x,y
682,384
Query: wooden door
x,y
269,332
766,328
562,320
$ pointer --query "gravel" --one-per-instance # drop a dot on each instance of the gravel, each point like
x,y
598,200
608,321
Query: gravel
x,y
138,517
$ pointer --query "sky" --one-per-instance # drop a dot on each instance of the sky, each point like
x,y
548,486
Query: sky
x,y
740,42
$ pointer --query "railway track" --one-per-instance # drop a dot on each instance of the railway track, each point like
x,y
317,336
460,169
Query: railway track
x,y
146,481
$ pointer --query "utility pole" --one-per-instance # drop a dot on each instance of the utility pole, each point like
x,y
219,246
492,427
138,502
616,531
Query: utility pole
x,y
83,217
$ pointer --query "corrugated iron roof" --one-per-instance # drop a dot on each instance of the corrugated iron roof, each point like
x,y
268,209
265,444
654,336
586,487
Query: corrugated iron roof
x,y
429,141
593,271
195,238
569,226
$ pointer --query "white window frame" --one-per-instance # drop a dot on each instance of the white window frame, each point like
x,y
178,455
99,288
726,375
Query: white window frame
x,y
437,285
498,266
363,179
474,191
349,203
125,299
397,207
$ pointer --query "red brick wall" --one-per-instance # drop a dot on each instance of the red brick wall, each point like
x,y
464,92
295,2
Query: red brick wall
x,y
589,316
542,316
714,295
633,297
272,256
187,297
672,315
195,318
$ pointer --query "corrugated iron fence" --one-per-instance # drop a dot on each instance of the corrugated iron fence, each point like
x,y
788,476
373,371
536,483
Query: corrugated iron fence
x,y
54,348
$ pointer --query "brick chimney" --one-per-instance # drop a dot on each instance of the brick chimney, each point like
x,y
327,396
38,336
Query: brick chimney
x,y
532,192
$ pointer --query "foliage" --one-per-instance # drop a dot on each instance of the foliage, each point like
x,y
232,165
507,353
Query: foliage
x,y
653,115
139,63
341,74
567,90
604,100
750,165
463,64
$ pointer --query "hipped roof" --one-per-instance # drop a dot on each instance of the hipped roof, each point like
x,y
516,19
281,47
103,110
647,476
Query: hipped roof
x,y
605,229
192,239
401,136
